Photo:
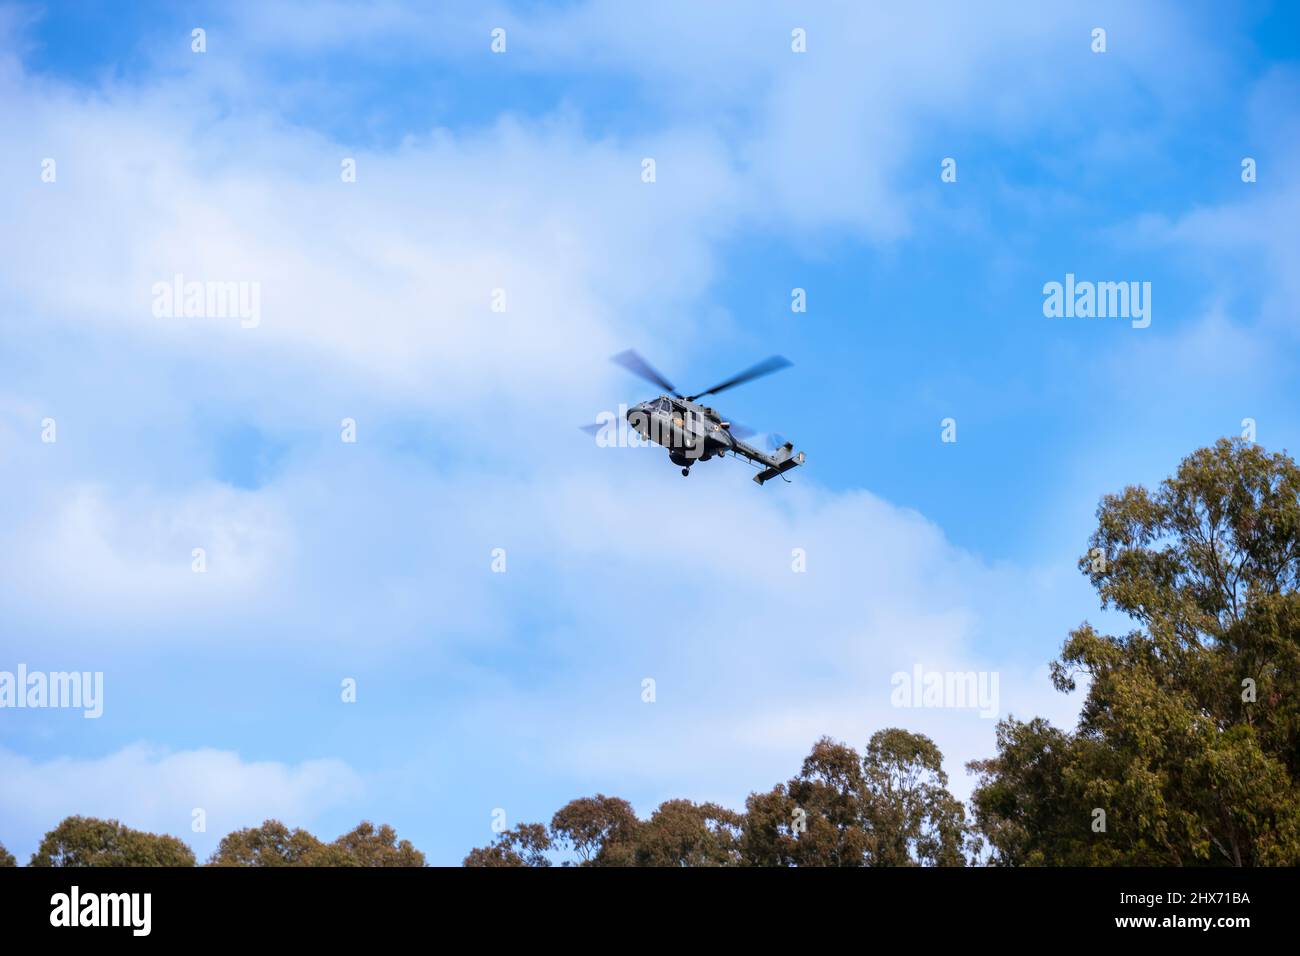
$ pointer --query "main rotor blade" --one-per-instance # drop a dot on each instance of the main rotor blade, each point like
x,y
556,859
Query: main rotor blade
x,y
639,366
765,367
741,431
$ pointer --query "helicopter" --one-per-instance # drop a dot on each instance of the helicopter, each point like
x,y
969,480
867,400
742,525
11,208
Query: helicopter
x,y
693,432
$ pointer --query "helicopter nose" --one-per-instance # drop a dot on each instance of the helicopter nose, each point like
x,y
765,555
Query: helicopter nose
x,y
638,416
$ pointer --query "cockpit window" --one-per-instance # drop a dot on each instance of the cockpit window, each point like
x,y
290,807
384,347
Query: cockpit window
x,y
662,405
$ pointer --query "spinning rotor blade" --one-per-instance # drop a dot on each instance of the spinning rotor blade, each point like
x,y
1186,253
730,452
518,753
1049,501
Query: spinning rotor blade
x,y
765,367
741,431
639,366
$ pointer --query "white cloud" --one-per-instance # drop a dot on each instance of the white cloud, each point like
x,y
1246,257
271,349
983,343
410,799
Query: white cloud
x,y
154,789
376,300
388,280
751,661
102,557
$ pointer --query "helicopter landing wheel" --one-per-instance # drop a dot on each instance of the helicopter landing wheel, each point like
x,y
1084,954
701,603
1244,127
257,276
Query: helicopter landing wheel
x,y
685,472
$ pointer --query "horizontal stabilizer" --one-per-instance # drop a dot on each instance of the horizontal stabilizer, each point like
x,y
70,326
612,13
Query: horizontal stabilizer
x,y
784,463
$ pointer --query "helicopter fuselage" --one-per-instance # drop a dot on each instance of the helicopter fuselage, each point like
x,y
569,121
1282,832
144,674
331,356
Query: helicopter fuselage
x,y
693,432
689,431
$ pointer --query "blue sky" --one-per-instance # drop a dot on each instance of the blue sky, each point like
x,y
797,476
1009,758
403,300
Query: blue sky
x,y
521,171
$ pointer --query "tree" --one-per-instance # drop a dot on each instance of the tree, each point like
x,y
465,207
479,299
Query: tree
x,y
271,844
1027,805
274,844
1218,537
682,833
367,846
890,807
6,858
605,831
770,832
910,813
1187,749
600,830
829,792
87,841
525,845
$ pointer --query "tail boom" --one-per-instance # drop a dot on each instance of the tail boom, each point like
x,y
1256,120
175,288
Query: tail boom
x,y
778,463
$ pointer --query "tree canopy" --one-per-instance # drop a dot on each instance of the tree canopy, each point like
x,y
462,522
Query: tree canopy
x,y
1188,742
271,844
274,844
888,807
88,841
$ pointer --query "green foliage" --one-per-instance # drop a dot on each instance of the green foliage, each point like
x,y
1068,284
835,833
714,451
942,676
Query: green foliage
x,y
1191,558
816,818
909,811
6,858
604,831
682,833
274,844
87,841
368,846
1027,808
525,845
1189,736
599,830
271,844
889,807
